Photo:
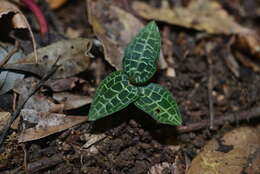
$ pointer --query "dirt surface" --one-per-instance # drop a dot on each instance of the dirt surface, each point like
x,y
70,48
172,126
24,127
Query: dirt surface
x,y
133,142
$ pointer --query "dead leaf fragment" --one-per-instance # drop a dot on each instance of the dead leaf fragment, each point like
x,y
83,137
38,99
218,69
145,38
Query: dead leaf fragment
x,y
18,20
115,28
92,139
46,124
25,86
231,155
72,56
36,102
72,101
67,84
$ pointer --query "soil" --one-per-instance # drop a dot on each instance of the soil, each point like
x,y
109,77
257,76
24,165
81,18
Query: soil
x,y
134,142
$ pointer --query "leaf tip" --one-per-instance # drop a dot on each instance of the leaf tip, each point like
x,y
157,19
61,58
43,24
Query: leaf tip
x,y
179,121
153,26
91,119
91,115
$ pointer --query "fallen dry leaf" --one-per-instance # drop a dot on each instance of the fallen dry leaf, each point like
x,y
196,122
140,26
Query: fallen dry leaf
x,y
46,124
36,102
42,103
25,86
61,99
19,21
72,101
203,15
67,84
231,155
115,28
72,56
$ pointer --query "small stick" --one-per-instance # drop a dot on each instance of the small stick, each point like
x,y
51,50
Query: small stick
x,y
210,87
231,118
25,158
14,101
31,35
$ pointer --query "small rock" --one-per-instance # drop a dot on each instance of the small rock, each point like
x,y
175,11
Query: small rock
x,y
170,72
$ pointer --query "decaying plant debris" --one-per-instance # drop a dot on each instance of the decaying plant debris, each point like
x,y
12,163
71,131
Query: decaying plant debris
x,y
209,62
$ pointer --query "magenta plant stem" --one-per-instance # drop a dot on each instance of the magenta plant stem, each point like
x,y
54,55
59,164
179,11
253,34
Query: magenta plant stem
x,y
32,5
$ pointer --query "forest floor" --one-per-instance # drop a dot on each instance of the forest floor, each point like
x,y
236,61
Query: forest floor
x,y
212,69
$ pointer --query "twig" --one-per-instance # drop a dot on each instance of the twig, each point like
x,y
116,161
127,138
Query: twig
x,y
10,54
31,35
25,158
14,101
229,59
231,118
44,163
17,112
210,87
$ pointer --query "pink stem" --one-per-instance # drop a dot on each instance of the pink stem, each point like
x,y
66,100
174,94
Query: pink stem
x,y
31,4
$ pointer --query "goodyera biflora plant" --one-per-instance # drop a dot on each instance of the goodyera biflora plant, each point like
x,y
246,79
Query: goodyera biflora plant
x,y
130,85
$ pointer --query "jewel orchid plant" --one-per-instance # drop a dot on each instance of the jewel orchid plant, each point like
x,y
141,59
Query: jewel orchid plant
x,y
130,85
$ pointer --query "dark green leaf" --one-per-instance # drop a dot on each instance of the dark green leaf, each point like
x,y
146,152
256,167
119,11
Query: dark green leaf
x,y
159,103
113,94
142,54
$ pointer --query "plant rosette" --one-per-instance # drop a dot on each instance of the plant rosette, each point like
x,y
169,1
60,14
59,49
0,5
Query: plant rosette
x,y
131,85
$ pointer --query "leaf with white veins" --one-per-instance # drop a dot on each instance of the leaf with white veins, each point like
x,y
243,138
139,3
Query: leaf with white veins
x,y
158,102
113,94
